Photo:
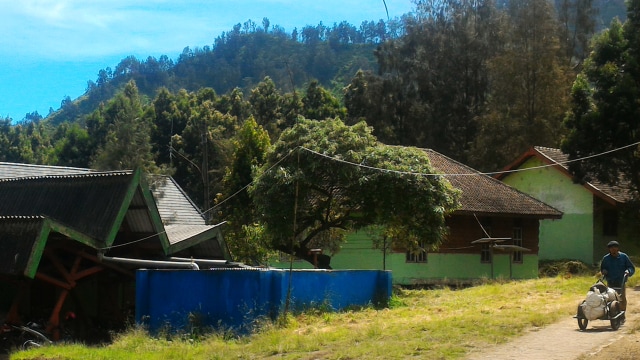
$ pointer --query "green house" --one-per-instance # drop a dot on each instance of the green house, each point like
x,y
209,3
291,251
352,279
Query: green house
x,y
592,210
493,235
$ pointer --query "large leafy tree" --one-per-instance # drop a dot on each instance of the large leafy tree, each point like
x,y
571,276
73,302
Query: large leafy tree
x,y
605,113
311,192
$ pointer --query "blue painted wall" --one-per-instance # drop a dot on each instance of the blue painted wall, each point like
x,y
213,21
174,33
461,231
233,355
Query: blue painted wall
x,y
235,299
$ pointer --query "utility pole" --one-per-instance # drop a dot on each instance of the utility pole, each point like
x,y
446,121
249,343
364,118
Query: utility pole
x,y
205,170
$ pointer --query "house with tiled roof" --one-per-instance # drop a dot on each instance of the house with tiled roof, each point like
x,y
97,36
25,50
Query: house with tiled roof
x,y
494,234
592,210
62,230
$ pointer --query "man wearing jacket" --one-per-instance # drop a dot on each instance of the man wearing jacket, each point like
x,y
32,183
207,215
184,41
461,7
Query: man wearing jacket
x,y
614,266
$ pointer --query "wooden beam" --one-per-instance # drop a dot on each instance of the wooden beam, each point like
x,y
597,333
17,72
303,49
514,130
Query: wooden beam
x,y
55,260
54,320
53,281
88,272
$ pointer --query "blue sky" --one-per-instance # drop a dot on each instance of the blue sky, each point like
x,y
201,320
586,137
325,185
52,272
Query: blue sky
x,y
49,49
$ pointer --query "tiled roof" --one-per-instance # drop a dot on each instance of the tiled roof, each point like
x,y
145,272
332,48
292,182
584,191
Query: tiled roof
x,y
484,195
554,156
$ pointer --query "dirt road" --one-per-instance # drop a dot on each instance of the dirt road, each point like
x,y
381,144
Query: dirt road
x,y
564,341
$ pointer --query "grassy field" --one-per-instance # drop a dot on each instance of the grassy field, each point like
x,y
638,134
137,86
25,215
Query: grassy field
x,y
427,324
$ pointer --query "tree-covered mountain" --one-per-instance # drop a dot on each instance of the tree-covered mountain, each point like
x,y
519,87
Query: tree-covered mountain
x,y
243,57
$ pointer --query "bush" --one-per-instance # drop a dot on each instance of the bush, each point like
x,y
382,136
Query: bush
x,y
552,268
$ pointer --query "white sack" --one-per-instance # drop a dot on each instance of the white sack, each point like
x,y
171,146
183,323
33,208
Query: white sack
x,y
594,305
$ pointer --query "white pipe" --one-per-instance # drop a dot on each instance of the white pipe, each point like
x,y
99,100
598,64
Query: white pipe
x,y
207,261
151,263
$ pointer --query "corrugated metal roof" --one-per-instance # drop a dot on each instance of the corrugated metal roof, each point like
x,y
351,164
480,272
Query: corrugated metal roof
x,y
173,204
17,238
482,194
178,233
89,203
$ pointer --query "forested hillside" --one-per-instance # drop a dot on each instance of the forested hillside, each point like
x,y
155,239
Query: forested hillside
x,y
243,57
479,81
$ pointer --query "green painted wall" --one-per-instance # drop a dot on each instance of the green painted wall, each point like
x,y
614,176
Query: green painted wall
x,y
358,253
572,236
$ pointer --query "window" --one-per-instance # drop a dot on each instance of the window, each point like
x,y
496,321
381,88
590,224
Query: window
x,y
419,255
485,253
517,241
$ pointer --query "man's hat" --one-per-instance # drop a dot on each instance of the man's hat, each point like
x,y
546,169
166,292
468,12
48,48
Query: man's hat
x,y
613,243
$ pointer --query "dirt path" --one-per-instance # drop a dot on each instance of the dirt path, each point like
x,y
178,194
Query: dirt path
x,y
564,341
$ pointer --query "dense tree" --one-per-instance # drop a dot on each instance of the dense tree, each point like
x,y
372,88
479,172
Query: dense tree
x,y
73,145
320,104
433,81
530,84
313,197
266,104
244,235
127,144
203,149
168,113
578,23
605,112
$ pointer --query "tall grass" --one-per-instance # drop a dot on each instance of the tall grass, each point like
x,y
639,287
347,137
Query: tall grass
x,y
430,324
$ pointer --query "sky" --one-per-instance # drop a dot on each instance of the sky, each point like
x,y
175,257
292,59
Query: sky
x,y
50,49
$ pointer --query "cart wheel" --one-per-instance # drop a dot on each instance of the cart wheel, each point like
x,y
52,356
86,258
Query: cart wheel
x,y
582,320
614,309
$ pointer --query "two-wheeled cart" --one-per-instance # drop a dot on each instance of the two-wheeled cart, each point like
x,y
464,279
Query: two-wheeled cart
x,y
602,303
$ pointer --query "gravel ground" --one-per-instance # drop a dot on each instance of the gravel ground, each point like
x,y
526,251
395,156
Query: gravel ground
x,y
564,340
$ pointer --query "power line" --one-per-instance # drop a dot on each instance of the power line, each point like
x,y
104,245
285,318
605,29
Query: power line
x,y
398,172
415,173
471,173
427,174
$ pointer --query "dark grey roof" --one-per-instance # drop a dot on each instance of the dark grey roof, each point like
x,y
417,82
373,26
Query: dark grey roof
x,y
91,203
18,239
482,194
62,195
174,206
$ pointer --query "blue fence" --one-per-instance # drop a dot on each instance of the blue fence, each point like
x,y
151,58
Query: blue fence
x,y
234,299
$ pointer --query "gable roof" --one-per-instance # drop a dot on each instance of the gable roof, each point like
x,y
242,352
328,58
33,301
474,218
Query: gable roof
x,y
174,205
559,161
91,203
89,206
484,195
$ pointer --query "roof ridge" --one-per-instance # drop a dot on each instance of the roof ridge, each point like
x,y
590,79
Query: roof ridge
x,y
14,217
501,186
70,176
45,166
